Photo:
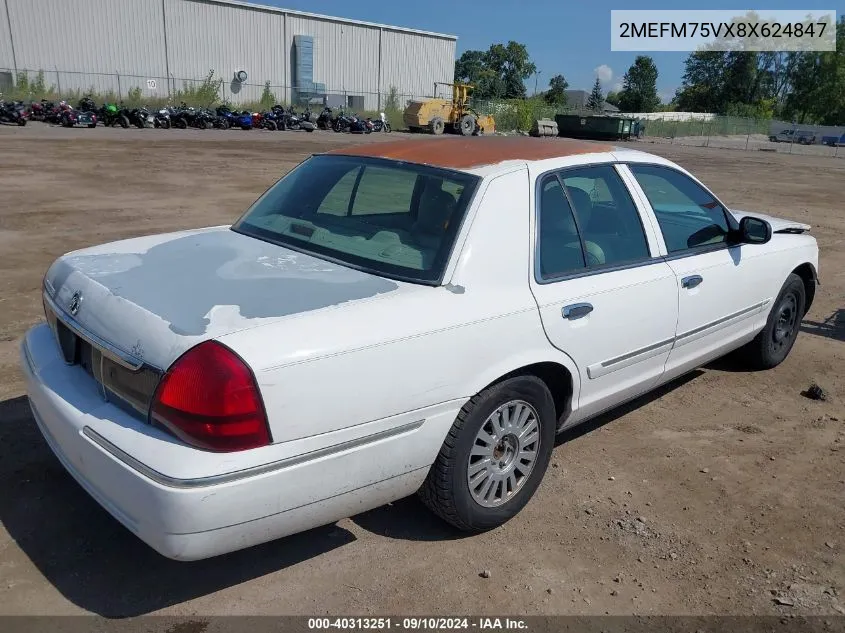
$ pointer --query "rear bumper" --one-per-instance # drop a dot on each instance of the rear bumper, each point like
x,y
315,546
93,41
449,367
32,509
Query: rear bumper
x,y
196,518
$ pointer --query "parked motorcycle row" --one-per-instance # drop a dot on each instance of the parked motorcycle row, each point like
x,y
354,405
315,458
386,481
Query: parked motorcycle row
x,y
87,114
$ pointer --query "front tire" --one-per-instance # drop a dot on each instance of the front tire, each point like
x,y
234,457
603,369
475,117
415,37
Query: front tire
x,y
494,455
774,342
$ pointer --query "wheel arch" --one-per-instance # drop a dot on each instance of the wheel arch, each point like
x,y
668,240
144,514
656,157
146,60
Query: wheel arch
x,y
810,277
560,375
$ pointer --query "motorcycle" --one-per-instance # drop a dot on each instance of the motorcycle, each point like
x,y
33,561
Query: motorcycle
x,y
139,117
225,118
86,104
185,117
297,122
55,114
326,118
13,112
39,110
74,118
110,114
381,124
161,118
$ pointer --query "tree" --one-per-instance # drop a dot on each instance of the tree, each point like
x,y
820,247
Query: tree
x,y
596,100
701,90
639,87
818,84
499,72
556,94
612,98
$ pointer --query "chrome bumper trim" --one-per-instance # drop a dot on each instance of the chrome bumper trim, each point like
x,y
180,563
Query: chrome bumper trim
x,y
213,480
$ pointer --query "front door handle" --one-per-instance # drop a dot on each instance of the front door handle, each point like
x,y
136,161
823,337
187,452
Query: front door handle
x,y
576,310
692,281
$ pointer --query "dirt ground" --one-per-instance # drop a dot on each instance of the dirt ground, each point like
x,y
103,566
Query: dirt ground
x,y
724,493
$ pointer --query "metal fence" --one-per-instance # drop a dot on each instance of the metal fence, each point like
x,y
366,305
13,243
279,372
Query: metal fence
x,y
137,90
691,129
724,132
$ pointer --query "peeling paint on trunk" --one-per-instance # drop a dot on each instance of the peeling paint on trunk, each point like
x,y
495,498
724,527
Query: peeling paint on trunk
x,y
199,285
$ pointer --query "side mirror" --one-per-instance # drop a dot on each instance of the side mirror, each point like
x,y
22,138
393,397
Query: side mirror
x,y
754,231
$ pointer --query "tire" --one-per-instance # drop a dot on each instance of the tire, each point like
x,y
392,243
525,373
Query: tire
x,y
124,121
467,125
447,489
21,122
309,129
92,125
386,128
271,125
774,342
437,125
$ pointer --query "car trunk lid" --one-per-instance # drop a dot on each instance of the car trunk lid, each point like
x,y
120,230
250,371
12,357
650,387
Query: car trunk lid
x,y
127,310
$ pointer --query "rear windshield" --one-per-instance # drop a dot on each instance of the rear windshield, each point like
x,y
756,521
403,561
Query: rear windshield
x,y
394,219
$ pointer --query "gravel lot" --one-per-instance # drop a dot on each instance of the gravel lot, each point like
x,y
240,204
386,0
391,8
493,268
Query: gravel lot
x,y
722,493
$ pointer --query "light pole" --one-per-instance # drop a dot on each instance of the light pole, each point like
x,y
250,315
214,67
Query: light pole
x,y
536,75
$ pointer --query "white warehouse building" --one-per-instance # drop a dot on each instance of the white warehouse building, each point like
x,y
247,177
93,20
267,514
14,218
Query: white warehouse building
x,y
160,47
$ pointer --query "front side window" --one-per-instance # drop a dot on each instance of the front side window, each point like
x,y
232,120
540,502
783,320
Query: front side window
x,y
386,217
688,215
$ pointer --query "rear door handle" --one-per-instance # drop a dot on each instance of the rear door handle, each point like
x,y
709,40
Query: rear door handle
x,y
692,281
576,310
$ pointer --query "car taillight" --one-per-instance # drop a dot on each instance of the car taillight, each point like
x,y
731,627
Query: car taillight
x,y
209,399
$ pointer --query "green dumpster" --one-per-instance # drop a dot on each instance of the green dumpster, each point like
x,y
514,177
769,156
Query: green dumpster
x,y
594,126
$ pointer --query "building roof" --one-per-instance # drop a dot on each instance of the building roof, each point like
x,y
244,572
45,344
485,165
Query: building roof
x,y
579,98
469,152
319,16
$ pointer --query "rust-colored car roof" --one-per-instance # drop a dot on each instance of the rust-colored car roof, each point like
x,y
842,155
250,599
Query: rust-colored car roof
x,y
468,152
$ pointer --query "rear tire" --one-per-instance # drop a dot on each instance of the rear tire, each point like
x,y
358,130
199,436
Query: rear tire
x,y
773,343
476,484
124,121
437,125
467,125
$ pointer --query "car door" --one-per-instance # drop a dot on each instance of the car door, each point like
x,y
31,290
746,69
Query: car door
x,y
606,297
720,294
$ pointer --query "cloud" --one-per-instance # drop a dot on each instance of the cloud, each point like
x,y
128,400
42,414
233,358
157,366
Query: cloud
x,y
604,73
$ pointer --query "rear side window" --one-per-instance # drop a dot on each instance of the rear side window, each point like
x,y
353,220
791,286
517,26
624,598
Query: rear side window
x,y
607,217
587,220
559,244
688,215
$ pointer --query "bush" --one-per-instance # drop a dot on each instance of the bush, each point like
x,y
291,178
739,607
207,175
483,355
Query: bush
x,y
204,94
268,99
391,100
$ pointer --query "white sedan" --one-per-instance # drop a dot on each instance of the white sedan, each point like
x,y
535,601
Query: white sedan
x,y
414,316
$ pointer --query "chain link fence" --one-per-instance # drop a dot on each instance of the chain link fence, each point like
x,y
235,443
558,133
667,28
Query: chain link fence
x,y
210,91
724,132
676,128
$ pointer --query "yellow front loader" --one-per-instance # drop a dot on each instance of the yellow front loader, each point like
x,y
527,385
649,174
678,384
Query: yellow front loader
x,y
436,116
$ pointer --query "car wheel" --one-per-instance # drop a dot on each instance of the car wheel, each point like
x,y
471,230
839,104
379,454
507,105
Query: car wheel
x,y
494,456
772,345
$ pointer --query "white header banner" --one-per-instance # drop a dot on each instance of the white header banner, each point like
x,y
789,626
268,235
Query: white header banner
x,y
722,30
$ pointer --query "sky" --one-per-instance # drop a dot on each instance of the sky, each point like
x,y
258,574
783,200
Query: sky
x,y
562,37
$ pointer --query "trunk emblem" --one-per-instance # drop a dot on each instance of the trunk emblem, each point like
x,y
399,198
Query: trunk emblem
x,y
75,301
